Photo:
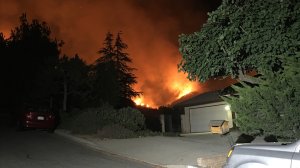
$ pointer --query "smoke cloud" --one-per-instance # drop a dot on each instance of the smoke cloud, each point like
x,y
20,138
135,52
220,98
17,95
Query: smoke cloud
x,y
150,28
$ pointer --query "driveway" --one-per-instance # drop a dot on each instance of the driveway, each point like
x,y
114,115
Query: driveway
x,y
160,150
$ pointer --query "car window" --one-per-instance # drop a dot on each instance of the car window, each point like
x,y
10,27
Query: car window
x,y
38,109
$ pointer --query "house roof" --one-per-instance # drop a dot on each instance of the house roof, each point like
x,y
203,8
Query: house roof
x,y
198,99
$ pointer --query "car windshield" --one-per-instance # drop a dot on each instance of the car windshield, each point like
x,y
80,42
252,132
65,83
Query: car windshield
x,y
38,109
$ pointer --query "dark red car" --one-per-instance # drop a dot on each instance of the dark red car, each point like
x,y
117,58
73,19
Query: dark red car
x,y
37,118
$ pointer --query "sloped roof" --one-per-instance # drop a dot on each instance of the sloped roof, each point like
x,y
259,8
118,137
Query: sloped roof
x,y
213,123
199,99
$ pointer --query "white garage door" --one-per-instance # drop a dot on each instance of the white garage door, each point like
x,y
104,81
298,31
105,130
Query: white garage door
x,y
201,116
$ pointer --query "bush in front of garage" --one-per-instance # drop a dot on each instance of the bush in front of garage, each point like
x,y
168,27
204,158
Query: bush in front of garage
x,y
123,123
80,121
131,119
126,117
270,108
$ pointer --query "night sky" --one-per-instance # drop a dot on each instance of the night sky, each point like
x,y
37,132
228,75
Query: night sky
x,y
150,28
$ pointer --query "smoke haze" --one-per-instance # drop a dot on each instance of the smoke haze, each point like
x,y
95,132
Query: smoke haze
x,y
150,28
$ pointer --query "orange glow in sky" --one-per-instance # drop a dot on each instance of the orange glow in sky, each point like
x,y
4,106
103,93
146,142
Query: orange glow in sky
x,y
5,33
152,36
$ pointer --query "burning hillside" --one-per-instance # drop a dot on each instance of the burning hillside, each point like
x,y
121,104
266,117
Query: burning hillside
x,y
149,28
172,90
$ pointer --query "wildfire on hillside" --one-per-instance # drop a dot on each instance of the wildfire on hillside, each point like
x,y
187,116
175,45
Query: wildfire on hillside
x,y
178,88
181,88
152,36
140,101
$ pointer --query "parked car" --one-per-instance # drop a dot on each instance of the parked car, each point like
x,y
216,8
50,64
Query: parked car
x,y
37,118
268,155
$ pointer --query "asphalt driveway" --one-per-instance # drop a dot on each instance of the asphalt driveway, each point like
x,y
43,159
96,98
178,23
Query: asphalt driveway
x,y
160,150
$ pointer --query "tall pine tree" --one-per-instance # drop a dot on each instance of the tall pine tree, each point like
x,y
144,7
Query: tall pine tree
x,y
113,78
124,73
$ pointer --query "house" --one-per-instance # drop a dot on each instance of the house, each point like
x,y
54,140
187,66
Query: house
x,y
197,112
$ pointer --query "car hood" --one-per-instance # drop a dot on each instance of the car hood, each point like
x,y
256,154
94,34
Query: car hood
x,y
269,146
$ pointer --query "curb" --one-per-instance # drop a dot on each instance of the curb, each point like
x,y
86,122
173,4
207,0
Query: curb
x,y
180,166
67,134
194,134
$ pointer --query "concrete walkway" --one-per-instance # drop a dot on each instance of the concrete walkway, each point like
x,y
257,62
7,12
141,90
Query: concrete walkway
x,y
173,152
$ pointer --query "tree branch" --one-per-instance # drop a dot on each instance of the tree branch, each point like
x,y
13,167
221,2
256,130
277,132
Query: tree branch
x,y
246,78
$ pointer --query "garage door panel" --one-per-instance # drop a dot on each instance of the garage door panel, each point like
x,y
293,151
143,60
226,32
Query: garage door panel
x,y
200,117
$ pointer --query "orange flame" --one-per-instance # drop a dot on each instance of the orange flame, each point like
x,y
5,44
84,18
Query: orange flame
x,y
180,88
140,101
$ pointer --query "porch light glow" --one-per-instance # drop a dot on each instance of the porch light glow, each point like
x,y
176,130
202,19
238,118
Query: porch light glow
x,y
227,107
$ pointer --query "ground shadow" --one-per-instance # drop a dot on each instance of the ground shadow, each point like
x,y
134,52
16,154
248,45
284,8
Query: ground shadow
x,y
244,138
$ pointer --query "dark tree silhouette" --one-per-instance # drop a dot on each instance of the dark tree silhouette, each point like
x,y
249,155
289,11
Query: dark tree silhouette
x,y
124,73
113,78
5,73
33,59
75,82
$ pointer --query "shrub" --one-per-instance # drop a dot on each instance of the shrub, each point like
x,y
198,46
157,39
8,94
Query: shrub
x,y
84,121
128,120
131,118
271,108
128,117
106,115
115,131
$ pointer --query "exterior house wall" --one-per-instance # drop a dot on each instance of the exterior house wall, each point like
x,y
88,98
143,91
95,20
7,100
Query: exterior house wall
x,y
185,122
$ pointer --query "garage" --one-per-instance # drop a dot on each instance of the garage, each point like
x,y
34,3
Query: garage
x,y
200,116
197,111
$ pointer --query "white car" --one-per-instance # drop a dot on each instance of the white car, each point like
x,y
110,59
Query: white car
x,y
268,155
